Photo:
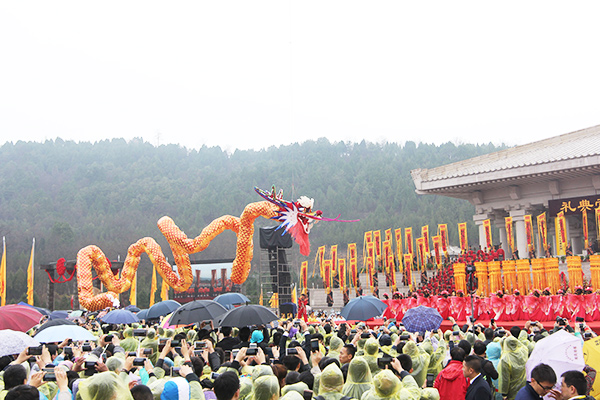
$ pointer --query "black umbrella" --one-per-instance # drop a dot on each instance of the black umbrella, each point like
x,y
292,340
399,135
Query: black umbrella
x,y
197,311
363,308
55,322
250,314
162,308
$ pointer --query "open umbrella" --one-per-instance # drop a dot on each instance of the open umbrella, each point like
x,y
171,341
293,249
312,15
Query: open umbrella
x,y
142,314
197,311
561,350
120,316
363,308
421,319
59,314
591,355
43,311
62,332
55,322
248,315
18,318
14,342
231,299
162,308
132,308
76,314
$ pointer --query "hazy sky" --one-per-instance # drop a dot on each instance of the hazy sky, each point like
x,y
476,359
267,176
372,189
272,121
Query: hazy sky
x,y
252,74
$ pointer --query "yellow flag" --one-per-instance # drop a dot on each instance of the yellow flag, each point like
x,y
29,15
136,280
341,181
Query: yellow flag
x,y
153,287
133,291
3,274
295,295
260,299
164,290
30,276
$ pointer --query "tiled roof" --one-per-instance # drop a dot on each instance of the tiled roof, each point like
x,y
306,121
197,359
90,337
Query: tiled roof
x,y
583,143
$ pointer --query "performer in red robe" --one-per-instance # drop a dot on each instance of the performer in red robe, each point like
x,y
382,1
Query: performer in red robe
x,y
458,306
498,306
532,307
302,302
443,305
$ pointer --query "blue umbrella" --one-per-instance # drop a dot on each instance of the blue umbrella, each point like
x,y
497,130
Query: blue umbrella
x,y
142,314
43,311
421,319
59,314
132,308
120,317
363,308
62,332
162,308
231,299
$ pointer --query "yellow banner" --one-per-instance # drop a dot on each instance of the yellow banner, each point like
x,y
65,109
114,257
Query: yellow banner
x,y
303,275
398,235
334,259
436,249
421,253
585,228
342,273
543,230
508,223
409,240
30,273
164,290
561,233
377,240
388,235
529,232
425,236
487,226
462,236
444,240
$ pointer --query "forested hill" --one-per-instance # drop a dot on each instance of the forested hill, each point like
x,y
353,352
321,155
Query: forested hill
x,y
68,195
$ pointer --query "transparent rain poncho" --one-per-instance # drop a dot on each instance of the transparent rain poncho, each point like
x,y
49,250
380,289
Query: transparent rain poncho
x,y
420,360
386,385
292,395
261,370
430,394
150,342
299,387
511,368
359,378
371,354
103,386
331,383
335,345
129,343
245,388
266,388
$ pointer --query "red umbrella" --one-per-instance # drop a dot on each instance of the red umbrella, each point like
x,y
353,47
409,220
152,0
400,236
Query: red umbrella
x,y
18,318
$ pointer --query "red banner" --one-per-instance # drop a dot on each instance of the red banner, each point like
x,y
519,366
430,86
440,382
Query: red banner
x,y
508,223
342,273
443,233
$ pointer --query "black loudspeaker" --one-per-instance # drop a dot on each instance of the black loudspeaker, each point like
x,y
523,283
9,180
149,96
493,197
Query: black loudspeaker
x,y
271,237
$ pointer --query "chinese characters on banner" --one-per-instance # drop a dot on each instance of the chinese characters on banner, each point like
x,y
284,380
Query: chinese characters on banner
x,y
487,227
462,235
508,222
529,232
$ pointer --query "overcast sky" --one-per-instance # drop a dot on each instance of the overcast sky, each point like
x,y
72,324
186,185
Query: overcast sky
x,y
252,74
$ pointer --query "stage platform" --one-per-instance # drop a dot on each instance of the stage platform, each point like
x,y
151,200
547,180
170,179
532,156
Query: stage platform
x,y
549,325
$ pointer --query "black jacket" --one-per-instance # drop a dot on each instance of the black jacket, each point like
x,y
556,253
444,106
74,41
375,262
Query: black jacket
x,y
478,390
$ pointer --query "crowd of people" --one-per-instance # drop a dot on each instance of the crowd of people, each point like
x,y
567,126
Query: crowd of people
x,y
293,360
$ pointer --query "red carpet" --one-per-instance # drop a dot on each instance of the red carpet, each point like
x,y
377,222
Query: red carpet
x,y
595,326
